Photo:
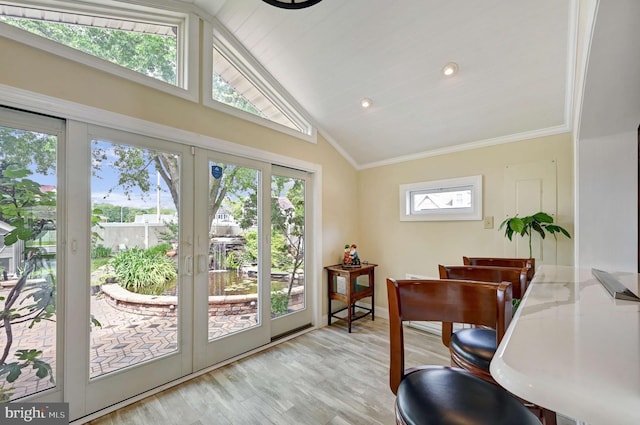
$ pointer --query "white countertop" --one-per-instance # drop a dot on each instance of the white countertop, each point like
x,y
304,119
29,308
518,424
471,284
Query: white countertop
x,y
573,349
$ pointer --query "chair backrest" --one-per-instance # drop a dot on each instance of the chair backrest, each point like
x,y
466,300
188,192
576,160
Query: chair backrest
x,y
527,263
473,302
517,276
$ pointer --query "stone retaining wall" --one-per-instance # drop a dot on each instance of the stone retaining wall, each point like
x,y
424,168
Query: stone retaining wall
x,y
167,305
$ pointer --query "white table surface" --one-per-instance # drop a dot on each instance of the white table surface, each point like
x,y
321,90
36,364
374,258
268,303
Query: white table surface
x,y
573,349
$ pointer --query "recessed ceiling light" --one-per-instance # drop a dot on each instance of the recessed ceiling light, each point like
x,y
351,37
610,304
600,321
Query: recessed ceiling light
x,y
450,69
366,102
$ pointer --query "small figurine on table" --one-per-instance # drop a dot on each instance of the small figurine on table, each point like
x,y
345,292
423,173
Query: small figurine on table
x,y
353,254
347,255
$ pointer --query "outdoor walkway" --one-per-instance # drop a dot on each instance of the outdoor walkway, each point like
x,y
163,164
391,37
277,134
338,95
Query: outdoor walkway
x,y
123,339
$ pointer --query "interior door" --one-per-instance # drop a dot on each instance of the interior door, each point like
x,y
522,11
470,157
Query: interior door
x,y
530,188
231,311
130,266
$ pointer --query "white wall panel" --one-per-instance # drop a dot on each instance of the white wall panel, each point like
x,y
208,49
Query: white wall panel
x,y
608,202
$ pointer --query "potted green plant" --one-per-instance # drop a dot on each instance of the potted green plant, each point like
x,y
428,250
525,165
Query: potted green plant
x,y
525,226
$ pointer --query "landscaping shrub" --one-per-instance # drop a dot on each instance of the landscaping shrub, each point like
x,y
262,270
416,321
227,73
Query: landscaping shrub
x,y
279,303
160,249
101,251
144,271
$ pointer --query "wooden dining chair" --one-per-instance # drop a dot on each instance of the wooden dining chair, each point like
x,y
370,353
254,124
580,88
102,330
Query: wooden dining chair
x,y
473,348
527,263
517,276
438,395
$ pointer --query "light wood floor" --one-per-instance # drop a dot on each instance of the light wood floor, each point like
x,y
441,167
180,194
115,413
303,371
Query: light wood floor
x,y
326,376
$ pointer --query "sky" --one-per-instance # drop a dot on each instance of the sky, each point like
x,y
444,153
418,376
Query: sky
x,y
108,178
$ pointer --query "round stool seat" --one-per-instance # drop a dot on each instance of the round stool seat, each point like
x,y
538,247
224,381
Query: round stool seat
x,y
438,395
475,345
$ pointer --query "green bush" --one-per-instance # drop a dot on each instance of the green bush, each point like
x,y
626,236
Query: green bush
x,y
279,303
233,260
160,249
101,251
144,271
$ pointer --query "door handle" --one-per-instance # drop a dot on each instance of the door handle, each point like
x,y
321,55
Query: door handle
x,y
188,265
202,264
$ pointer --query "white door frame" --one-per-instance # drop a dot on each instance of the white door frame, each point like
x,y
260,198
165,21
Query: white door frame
x,y
79,214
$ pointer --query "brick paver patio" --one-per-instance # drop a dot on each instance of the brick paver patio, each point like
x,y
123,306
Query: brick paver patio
x,y
123,339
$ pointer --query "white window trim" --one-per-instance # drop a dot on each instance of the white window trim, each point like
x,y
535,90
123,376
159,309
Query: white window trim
x,y
472,213
188,23
258,75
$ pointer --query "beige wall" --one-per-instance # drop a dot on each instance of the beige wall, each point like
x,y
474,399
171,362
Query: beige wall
x,y
418,247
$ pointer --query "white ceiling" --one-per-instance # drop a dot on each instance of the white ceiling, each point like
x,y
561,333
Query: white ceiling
x,y
516,62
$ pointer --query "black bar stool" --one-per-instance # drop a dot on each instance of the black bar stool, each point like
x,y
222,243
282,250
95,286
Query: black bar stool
x,y
439,395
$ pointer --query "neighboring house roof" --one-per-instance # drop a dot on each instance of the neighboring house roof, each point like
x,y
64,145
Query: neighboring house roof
x,y
284,203
5,227
427,203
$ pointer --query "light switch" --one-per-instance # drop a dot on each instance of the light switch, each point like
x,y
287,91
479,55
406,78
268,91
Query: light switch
x,y
488,222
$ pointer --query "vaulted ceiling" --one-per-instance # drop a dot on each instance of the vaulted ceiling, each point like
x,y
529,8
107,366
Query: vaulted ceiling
x,y
515,80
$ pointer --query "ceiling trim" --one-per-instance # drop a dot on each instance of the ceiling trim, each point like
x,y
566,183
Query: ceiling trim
x,y
339,148
589,31
572,62
549,131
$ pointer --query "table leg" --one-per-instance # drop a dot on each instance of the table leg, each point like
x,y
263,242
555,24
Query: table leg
x,y
373,297
329,283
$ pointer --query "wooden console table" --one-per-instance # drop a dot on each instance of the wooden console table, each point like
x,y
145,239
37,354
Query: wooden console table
x,y
343,285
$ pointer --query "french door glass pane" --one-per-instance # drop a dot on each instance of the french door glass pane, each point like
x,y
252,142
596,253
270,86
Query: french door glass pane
x,y
134,267
28,244
287,245
233,249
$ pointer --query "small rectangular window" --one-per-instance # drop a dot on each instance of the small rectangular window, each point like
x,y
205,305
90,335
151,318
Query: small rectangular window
x,y
442,200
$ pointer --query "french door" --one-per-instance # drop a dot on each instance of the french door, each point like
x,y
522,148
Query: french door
x,y
155,259
130,265
252,234
31,257
179,257
291,214
229,214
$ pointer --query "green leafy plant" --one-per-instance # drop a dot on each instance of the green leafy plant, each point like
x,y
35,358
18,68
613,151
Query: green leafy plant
x,y
279,302
144,271
515,303
160,249
101,251
233,260
22,206
540,223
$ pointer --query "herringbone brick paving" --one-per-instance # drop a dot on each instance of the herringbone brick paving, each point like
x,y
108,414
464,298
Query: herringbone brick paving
x,y
123,339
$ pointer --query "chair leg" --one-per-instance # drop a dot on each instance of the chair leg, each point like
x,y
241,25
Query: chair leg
x,y
549,417
546,416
